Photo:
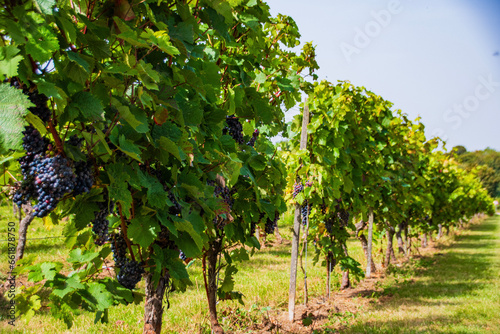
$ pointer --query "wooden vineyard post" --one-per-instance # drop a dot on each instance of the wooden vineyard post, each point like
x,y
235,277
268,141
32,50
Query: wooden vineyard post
x,y
370,240
296,227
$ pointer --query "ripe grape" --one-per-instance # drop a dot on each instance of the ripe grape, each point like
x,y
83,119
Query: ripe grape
x,y
343,216
40,101
329,224
54,178
130,274
119,249
226,195
74,141
84,177
305,211
101,223
271,224
252,141
234,129
33,143
297,188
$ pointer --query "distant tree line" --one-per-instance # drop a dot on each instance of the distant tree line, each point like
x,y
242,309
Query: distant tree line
x,y
489,159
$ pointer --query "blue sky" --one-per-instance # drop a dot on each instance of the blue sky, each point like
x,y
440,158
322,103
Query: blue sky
x,y
435,59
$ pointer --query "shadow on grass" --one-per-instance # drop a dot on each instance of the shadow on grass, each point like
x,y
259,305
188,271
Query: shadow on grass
x,y
462,271
36,246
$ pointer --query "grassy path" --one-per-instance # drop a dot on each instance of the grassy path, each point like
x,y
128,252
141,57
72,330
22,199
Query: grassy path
x,y
454,291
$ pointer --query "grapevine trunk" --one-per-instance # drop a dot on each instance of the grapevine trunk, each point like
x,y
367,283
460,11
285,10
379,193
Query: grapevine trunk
x,y
24,223
390,250
210,274
153,306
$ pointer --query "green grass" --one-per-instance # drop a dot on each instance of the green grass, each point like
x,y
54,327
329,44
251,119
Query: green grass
x,y
454,291
263,281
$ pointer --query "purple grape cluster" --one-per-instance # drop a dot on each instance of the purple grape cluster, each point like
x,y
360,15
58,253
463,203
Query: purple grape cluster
x,y
54,178
84,177
33,143
226,195
271,224
182,256
40,101
343,216
130,273
47,179
74,141
252,141
24,192
329,224
305,210
119,249
234,129
297,188
100,224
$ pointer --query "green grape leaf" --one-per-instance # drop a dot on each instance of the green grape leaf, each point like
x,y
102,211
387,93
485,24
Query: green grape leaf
x,y
71,284
118,189
169,146
101,298
13,107
46,5
9,60
143,230
79,256
128,147
87,105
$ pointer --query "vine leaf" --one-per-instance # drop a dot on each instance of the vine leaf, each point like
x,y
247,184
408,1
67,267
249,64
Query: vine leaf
x,y
46,6
13,107
9,61
103,299
118,189
87,105
143,230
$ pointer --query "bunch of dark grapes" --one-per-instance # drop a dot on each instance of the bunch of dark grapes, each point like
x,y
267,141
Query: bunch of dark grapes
x,y
119,249
271,224
343,216
297,188
329,224
40,101
234,129
74,141
305,210
226,195
33,143
252,141
100,224
84,177
24,192
309,183
130,274
54,178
